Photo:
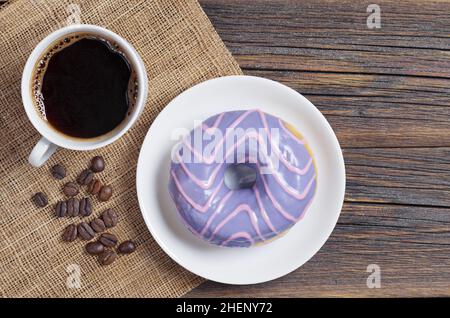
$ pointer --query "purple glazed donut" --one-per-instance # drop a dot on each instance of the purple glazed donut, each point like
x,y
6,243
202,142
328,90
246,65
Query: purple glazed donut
x,y
247,179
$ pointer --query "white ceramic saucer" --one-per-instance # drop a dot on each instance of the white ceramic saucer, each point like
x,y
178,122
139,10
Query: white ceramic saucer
x,y
240,265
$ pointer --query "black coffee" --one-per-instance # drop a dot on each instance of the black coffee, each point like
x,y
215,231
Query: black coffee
x,y
84,86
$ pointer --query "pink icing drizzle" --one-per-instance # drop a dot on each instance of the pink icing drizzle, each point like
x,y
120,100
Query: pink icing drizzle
x,y
207,184
244,207
239,209
210,159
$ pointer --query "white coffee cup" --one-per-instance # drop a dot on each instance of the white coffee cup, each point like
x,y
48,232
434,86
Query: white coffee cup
x,y
51,138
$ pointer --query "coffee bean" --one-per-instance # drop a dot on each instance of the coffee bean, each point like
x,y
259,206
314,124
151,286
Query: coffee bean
x,y
73,207
70,189
94,248
61,209
40,199
107,257
95,186
126,247
108,239
98,225
70,233
110,218
85,231
85,207
97,164
85,177
105,193
58,172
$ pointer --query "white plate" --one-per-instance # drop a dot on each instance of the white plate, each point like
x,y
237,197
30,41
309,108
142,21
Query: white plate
x,y
240,265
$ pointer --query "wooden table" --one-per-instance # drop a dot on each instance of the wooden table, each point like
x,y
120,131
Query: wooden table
x,y
386,93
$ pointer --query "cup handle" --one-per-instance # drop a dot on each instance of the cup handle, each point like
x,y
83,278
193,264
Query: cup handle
x,y
41,152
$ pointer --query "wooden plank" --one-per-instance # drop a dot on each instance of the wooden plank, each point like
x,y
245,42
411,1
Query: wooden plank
x,y
416,176
409,244
376,110
389,87
333,35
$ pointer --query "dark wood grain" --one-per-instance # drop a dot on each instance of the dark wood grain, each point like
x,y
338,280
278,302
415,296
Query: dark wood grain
x,y
386,93
410,244
390,85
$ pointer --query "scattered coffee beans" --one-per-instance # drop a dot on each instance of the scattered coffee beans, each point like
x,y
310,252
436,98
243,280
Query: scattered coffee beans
x,y
85,207
40,199
126,247
85,231
97,164
94,248
95,186
70,233
85,177
108,239
73,207
61,209
105,193
58,172
70,189
98,225
110,218
107,257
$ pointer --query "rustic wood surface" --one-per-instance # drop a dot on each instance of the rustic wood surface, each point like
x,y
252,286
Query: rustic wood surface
x,y
386,93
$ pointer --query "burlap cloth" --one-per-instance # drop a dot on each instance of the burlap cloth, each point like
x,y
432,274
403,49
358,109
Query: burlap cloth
x,y
180,48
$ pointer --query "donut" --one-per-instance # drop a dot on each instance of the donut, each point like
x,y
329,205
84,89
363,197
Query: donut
x,y
242,178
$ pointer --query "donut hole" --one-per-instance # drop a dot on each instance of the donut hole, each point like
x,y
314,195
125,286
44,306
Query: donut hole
x,y
240,176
